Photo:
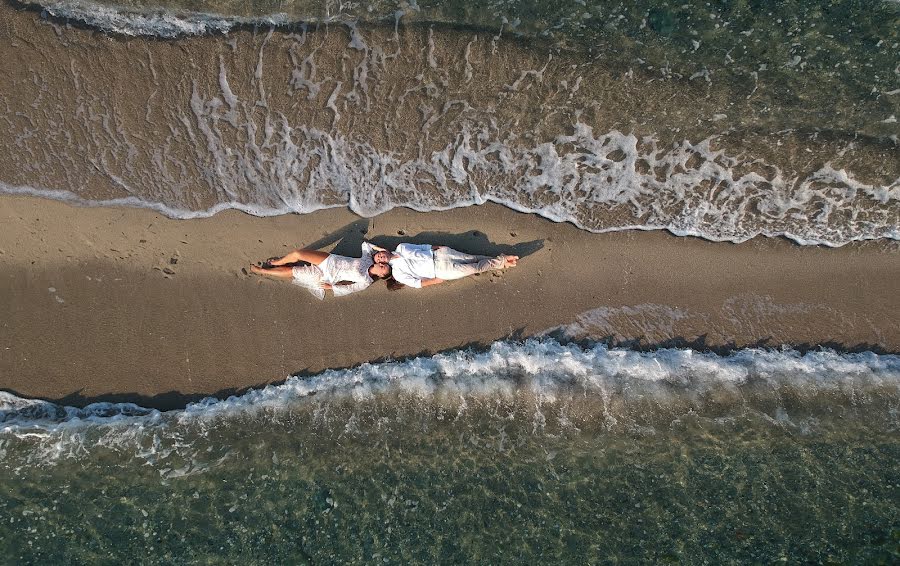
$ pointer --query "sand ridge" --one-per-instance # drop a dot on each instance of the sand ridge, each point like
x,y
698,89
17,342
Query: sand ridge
x,y
125,304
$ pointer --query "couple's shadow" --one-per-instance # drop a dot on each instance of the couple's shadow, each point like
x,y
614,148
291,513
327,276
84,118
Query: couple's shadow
x,y
349,239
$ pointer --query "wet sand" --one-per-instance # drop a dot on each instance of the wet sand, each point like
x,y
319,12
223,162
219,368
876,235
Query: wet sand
x,y
118,304
431,117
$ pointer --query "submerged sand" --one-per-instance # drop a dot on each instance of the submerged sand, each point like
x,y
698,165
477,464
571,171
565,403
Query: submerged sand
x,y
122,304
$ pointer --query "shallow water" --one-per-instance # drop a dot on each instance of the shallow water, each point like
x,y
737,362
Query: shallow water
x,y
723,123
525,452
748,490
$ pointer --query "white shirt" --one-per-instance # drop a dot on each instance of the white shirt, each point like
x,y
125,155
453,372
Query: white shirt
x,y
337,268
412,264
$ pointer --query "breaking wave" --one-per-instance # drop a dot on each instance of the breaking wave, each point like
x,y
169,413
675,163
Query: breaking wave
x,y
542,384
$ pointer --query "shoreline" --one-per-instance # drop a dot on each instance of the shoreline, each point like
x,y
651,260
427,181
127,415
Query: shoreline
x,y
89,314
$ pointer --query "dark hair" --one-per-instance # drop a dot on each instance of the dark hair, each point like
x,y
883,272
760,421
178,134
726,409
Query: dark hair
x,y
393,284
378,277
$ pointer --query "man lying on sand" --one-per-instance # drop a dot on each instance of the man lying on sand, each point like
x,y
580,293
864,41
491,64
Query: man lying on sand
x,y
343,275
423,265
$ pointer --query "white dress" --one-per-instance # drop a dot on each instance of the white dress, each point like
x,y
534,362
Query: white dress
x,y
335,269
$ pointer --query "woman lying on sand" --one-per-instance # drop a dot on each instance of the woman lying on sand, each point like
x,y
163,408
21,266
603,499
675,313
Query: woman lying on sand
x,y
422,265
343,275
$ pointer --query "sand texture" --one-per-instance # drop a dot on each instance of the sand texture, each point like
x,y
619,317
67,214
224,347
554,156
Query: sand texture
x,y
120,304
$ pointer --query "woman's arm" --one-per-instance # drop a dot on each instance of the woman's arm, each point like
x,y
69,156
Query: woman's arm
x,y
347,287
430,282
339,286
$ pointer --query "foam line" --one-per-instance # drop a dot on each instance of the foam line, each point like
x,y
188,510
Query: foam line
x,y
540,367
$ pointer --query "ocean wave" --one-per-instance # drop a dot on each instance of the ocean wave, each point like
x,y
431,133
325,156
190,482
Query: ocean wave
x,y
540,385
543,369
155,22
701,194
381,117
522,434
172,19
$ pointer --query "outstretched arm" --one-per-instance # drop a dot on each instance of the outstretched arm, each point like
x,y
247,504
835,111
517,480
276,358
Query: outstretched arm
x,y
347,287
374,247
432,281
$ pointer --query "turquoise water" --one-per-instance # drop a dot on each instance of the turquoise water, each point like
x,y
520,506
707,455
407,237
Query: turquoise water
x,y
527,453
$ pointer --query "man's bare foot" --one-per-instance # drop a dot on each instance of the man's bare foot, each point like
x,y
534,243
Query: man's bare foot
x,y
257,269
509,260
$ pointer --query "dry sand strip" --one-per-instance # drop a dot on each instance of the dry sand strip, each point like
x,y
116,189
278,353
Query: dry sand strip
x,y
123,304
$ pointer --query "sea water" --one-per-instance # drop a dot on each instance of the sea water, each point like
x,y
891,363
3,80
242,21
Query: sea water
x,y
720,120
723,121
523,453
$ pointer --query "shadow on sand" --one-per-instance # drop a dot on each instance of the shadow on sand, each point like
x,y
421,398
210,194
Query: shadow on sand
x,y
348,241
472,242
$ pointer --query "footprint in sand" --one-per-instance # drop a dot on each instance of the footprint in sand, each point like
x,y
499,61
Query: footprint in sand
x,y
56,297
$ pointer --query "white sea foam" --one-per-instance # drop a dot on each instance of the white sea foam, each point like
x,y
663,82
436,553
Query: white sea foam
x,y
300,169
612,388
540,367
229,148
157,23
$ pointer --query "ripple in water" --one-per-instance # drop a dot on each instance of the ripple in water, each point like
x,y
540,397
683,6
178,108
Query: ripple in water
x,y
521,452
375,115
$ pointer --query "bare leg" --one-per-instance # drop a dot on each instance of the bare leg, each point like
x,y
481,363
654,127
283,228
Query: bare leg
x,y
276,272
309,256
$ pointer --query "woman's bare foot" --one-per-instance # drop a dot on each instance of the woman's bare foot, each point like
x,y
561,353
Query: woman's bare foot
x,y
274,261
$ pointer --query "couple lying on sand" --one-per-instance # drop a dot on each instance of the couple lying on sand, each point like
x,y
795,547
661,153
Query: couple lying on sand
x,y
412,265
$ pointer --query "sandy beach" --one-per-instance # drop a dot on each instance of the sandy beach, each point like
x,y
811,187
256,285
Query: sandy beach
x,y
723,359
120,304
